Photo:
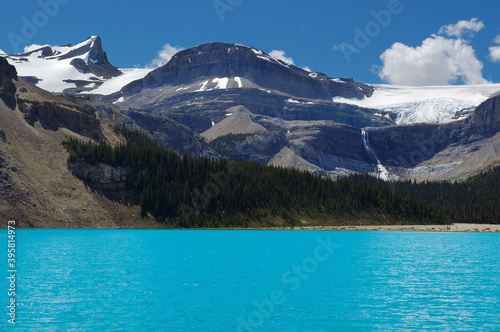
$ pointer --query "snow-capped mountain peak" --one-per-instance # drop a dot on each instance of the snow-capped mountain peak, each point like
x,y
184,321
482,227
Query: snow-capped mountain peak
x,y
70,69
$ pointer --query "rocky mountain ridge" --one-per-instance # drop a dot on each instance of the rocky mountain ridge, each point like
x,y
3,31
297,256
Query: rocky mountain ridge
x,y
224,65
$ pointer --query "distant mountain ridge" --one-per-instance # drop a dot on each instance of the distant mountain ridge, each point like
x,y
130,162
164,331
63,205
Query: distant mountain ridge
x,y
222,65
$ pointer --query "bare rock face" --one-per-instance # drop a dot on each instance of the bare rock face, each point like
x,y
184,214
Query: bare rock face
x,y
329,145
110,181
98,63
56,115
172,134
486,118
7,87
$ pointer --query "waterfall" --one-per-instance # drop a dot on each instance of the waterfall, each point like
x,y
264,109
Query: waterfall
x,y
382,172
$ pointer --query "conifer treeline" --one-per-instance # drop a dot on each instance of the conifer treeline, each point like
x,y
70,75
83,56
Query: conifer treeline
x,y
203,192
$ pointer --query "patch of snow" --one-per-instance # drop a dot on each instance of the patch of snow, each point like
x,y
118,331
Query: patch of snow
x,y
221,82
293,101
229,114
52,73
256,51
265,58
238,80
314,75
203,87
120,100
115,84
352,101
338,80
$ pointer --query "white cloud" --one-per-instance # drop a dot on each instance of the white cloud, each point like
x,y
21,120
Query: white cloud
x,y
462,27
2,53
438,61
280,55
495,53
164,56
495,50
306,68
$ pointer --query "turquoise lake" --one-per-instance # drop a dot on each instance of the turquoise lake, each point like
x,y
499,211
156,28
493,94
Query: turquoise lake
x,y
197,280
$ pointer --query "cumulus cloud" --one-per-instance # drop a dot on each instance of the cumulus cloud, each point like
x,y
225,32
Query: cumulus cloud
x,y
306,68
462,27
495,50
438,61
164,56
280,55
495,53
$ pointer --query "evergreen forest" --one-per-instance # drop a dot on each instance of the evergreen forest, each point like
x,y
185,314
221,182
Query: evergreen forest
x,y
186,192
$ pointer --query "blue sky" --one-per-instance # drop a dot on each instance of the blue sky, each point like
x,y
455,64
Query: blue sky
x,y
342,38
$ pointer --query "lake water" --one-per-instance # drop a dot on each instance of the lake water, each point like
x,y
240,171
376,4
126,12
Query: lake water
x,y
196,280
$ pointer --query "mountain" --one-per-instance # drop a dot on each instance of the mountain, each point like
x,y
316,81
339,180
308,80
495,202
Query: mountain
x,y
235,101
224,66
198,86
71,70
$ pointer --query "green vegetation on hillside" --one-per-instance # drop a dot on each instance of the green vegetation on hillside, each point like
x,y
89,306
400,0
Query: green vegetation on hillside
x,y
186,192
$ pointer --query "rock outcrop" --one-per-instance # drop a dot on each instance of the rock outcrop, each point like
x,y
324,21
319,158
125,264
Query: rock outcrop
x,y
172,134
7,87
107,180
53,115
